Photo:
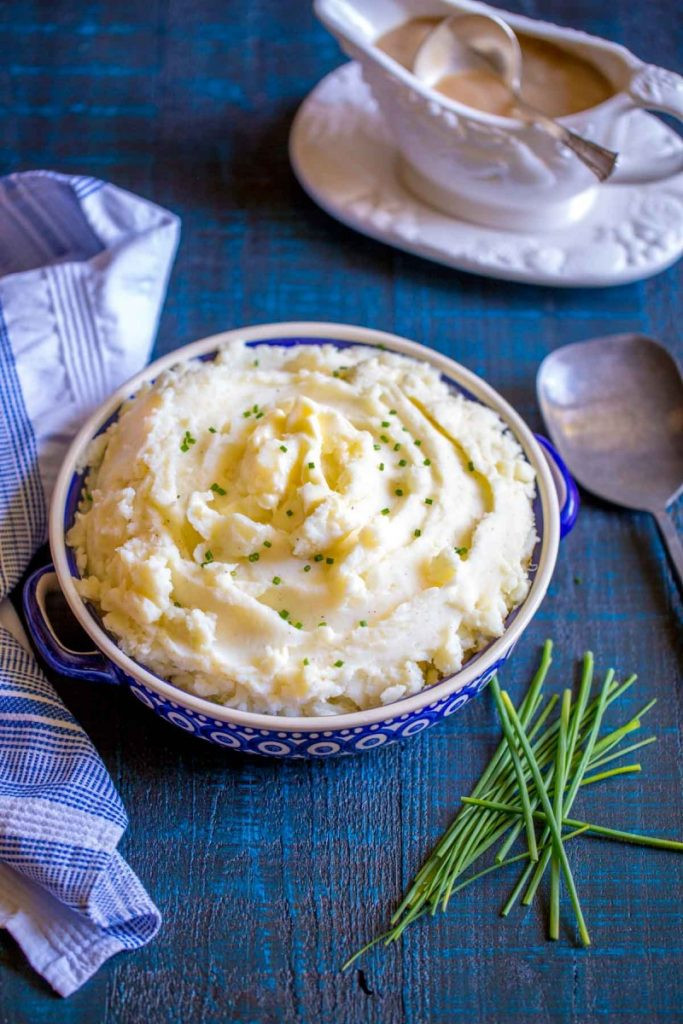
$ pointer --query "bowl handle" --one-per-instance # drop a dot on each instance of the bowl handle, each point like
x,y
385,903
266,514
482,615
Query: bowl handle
x,y
567,491
89,665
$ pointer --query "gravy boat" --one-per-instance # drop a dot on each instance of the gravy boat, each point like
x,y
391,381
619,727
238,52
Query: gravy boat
x,y
500,171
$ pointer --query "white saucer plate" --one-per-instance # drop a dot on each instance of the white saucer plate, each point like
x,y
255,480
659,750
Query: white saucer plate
x,y
343,157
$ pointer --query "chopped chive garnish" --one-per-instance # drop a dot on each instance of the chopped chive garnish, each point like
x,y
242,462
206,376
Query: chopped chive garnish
x,y
284,614
470,466
402,462
258,416
383,437
254,408
187,441
283,447
417,533
460,551
177,604
363,623
399,492
307,568
208,557
318,558
426,462
255,363
217,489
429,501
267,544
233,572
311,465
335,373
329,561
212,430
338,663
306,661
381,467
289,512
276,581
404,429
385,423
247,412
377,447
392,412
88,496
385,512
321,624
254,556
418,443
397,447
298,625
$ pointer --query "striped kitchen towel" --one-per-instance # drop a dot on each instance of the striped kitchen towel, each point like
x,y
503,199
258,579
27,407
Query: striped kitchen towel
x,y
83,273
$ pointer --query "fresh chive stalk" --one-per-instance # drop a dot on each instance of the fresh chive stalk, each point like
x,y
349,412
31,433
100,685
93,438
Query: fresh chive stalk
x,y
591,827
624,750
513,860
549,816
626,769
517,765
584,759
560,774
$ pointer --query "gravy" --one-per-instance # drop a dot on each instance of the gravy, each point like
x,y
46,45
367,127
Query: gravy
x,y
554,80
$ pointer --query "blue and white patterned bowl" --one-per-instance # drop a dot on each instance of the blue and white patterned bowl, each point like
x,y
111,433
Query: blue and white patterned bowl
x,y
555,510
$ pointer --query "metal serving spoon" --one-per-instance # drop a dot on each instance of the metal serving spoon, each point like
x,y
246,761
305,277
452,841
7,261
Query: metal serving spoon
x,y
479,41
614,409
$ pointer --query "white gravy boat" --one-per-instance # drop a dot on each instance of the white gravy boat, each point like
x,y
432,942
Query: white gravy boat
x,y
497,170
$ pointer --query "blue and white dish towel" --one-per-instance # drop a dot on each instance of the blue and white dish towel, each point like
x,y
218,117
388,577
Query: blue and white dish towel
x,y
83,273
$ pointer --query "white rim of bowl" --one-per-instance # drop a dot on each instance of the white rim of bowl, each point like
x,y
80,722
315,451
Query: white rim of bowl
x,y
322,723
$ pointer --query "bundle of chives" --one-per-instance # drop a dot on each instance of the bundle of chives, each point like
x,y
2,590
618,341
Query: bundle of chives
x,y
533,776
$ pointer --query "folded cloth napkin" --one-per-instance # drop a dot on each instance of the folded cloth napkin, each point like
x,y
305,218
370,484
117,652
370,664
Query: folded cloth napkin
x,y
83,273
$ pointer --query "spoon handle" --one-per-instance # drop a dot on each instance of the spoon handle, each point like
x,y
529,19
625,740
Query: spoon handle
x,y
598,159
672,541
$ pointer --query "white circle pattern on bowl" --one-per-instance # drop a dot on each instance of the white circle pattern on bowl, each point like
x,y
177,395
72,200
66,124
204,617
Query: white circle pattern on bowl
x,y
314,744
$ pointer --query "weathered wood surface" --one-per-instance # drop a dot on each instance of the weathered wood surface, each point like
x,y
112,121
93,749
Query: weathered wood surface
x,y
268,874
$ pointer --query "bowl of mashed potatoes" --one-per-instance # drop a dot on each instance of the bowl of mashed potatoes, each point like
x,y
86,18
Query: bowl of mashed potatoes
x,y
302,539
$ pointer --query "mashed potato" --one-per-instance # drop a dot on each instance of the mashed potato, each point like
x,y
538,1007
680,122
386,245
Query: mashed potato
x,y
304,531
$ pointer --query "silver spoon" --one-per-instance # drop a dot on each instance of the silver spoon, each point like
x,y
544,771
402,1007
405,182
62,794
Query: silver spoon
x,y
614,409
480,41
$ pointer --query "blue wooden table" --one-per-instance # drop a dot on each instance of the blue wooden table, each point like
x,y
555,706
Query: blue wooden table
x,y
269,874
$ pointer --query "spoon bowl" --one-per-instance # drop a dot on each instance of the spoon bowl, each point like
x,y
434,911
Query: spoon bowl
x,y
470,42
614,409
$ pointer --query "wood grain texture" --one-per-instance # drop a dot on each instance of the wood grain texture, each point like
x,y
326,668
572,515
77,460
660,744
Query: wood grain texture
x,y
269,874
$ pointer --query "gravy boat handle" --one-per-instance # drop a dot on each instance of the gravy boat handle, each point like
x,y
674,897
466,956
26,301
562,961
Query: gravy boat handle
x,y
87,665
656,89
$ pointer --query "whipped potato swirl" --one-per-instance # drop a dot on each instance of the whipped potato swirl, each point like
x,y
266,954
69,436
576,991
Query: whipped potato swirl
x,y
304,530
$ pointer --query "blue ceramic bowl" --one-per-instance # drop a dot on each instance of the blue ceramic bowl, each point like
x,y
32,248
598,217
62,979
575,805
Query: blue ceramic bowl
x,y
555,511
